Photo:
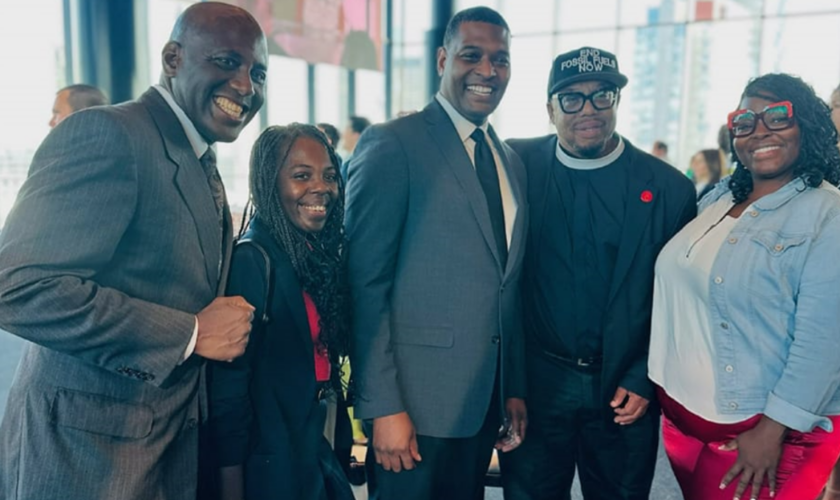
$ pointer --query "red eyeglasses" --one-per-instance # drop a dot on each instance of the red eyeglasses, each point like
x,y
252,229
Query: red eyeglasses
x,y
776,116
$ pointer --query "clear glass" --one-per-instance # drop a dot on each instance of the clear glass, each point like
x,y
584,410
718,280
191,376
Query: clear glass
x,y
600,39
533,16
571,16
789,46
637,13
287,91
714,76
649,109
370,95
408,88
709,10
232,160
522,112
785,7
160,18
412,20
33,33
330,93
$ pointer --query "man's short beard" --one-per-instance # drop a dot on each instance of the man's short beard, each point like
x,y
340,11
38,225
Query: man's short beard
x,y
596,150
592,152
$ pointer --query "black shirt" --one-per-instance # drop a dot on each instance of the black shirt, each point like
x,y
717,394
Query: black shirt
x,y
577,256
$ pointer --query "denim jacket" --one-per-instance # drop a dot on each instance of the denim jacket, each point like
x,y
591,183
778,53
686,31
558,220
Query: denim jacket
x,y
774,306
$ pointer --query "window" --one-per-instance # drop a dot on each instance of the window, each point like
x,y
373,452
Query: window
x,y
330,94
287,92
370,95
37,28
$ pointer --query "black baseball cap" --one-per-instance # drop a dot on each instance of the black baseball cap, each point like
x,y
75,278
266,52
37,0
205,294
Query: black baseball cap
x,y
584,64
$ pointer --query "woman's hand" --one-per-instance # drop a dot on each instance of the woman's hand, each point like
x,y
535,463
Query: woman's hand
x,y
759,452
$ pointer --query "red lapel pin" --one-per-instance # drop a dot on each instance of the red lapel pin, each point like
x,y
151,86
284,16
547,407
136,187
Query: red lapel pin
x,y
646,196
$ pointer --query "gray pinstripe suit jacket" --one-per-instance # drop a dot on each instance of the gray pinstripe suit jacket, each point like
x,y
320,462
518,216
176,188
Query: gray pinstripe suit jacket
x,y
111,248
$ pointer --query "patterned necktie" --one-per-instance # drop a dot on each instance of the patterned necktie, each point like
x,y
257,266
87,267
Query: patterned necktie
x,y
214,180
485,168
208,163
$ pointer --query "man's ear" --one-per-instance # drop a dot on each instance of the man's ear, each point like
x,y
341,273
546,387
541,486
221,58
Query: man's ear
x,y
550,109
441,60
171,58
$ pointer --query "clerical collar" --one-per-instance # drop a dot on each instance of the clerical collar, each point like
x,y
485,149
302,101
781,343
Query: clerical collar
x,y
586,164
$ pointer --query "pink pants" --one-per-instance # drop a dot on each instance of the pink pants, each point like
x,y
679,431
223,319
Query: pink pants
x,y
692,447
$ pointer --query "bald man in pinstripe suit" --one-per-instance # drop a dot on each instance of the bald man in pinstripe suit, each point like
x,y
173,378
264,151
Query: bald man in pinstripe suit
x,y
110,264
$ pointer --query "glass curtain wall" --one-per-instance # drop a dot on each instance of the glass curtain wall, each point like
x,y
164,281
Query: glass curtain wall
x,y
35,68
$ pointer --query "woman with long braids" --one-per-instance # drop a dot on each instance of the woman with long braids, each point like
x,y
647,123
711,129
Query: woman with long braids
x,y
267,408
745,329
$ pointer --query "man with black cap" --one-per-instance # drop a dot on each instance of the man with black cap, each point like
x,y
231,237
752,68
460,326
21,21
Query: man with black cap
x,y
601,209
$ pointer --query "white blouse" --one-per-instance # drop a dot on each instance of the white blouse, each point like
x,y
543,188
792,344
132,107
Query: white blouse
x,y
681,350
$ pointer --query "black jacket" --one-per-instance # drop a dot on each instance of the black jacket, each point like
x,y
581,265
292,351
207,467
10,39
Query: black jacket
x,y
647,227
263,412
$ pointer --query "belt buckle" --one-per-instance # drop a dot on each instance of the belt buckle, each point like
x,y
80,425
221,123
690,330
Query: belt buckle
x,y
584,363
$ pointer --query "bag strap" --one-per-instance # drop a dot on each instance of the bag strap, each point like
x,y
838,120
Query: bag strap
x,y
269,283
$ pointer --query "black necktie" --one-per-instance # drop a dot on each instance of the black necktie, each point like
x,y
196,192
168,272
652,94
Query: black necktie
x,y
208,163
485,168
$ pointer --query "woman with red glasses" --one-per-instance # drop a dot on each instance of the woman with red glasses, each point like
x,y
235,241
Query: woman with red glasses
x,y
745,329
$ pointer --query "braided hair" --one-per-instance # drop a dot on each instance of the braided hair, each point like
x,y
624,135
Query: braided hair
x,y
819,158
318,259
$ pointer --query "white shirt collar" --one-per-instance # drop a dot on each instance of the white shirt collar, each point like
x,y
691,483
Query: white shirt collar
x,y
462,125
197,142
586,164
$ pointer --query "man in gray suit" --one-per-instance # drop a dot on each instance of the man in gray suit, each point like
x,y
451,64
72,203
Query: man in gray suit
x,y
436,219
110,264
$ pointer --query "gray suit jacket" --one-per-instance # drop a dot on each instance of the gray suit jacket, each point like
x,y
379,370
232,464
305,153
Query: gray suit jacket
x,y
113,245
433,308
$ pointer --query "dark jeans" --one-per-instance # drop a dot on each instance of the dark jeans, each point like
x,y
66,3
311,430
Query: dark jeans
x,y
567,428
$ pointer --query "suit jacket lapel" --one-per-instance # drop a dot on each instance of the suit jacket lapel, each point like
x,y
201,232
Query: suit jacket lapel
x,y
443,133
517,235
191,183
288,284
636,219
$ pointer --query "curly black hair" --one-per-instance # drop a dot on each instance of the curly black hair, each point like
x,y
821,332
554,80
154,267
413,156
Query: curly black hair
x,y
819,158
319,259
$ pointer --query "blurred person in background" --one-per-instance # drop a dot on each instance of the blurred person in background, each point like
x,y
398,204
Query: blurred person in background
x,y
333,136
660,150
355,126
705,170
75,98
746,316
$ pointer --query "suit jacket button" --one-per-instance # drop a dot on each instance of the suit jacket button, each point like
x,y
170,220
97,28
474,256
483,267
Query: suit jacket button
x,y
495,339
192,423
